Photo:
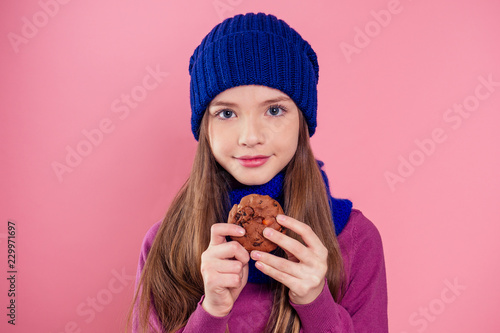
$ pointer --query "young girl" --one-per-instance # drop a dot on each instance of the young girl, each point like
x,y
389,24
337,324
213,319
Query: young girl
x,y
253,102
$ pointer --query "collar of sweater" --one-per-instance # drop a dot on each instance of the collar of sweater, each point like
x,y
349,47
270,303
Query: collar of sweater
x,y
340,208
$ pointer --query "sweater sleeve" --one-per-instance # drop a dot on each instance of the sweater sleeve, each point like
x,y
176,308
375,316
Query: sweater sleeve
x,y
363,307
154,323
323,315
200,321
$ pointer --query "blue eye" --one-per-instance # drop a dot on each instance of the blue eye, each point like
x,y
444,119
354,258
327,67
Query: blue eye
x,y
276,110
225,114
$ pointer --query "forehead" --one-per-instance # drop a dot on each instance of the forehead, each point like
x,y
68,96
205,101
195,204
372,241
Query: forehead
x,y
249,92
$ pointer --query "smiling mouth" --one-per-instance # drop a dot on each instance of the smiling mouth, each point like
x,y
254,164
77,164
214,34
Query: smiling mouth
x,y
252,161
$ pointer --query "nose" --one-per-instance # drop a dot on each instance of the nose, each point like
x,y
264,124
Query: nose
x,y
252,132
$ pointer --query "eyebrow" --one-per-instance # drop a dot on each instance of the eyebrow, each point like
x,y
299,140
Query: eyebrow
x,y
269,101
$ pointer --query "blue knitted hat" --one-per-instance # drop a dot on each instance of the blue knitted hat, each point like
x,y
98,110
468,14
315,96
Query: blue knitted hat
x,y
255,49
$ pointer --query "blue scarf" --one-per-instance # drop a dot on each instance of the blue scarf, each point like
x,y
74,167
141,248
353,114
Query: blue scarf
x,y
341,210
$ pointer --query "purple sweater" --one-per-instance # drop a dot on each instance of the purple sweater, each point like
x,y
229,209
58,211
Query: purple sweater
x,y
362,309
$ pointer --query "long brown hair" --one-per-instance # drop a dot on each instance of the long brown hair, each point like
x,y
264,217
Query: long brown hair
x,y
171,279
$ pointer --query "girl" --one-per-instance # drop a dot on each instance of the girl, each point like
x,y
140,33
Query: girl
x,y
253,101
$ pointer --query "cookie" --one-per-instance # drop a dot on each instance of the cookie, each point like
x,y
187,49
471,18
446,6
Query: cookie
x,y
254,213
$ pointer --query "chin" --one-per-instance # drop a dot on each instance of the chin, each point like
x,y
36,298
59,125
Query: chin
x,y
253,180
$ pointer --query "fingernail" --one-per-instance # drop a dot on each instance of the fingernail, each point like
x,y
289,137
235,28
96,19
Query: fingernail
x,y
259,265
267,232
256,255
241,231
280,217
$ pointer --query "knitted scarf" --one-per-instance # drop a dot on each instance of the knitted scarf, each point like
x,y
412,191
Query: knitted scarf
x,y
341,210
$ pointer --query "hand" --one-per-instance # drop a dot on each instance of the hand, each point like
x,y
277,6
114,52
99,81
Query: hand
x,y
305,269
223,277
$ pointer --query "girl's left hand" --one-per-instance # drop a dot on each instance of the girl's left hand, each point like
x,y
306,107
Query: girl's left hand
x,y
305,269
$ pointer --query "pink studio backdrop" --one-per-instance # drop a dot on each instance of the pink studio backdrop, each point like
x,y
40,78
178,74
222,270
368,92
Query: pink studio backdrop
x,y
409,95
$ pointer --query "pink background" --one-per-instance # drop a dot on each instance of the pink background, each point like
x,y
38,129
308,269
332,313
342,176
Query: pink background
x,y
80,229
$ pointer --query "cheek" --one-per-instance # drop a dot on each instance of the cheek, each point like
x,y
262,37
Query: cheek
x,y
216,148
287,143
290,137
292,146
218,141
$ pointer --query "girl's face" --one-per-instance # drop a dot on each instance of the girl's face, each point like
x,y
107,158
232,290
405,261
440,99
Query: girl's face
x,y
253,132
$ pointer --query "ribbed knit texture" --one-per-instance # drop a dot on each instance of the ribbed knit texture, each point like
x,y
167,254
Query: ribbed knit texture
x,y
254,49
341,210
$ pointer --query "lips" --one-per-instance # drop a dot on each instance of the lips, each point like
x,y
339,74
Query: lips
x,y
252,161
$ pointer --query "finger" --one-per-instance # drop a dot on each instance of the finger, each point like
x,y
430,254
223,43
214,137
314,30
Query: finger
x,y
278,263
308,236
217,280
280,276
287,243
228,266
219,231
241,254
229,250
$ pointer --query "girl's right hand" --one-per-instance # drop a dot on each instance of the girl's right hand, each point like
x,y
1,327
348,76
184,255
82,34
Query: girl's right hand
x,y
224,268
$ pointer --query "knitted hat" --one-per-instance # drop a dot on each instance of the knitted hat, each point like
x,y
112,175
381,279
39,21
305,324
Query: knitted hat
x,y
255,49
